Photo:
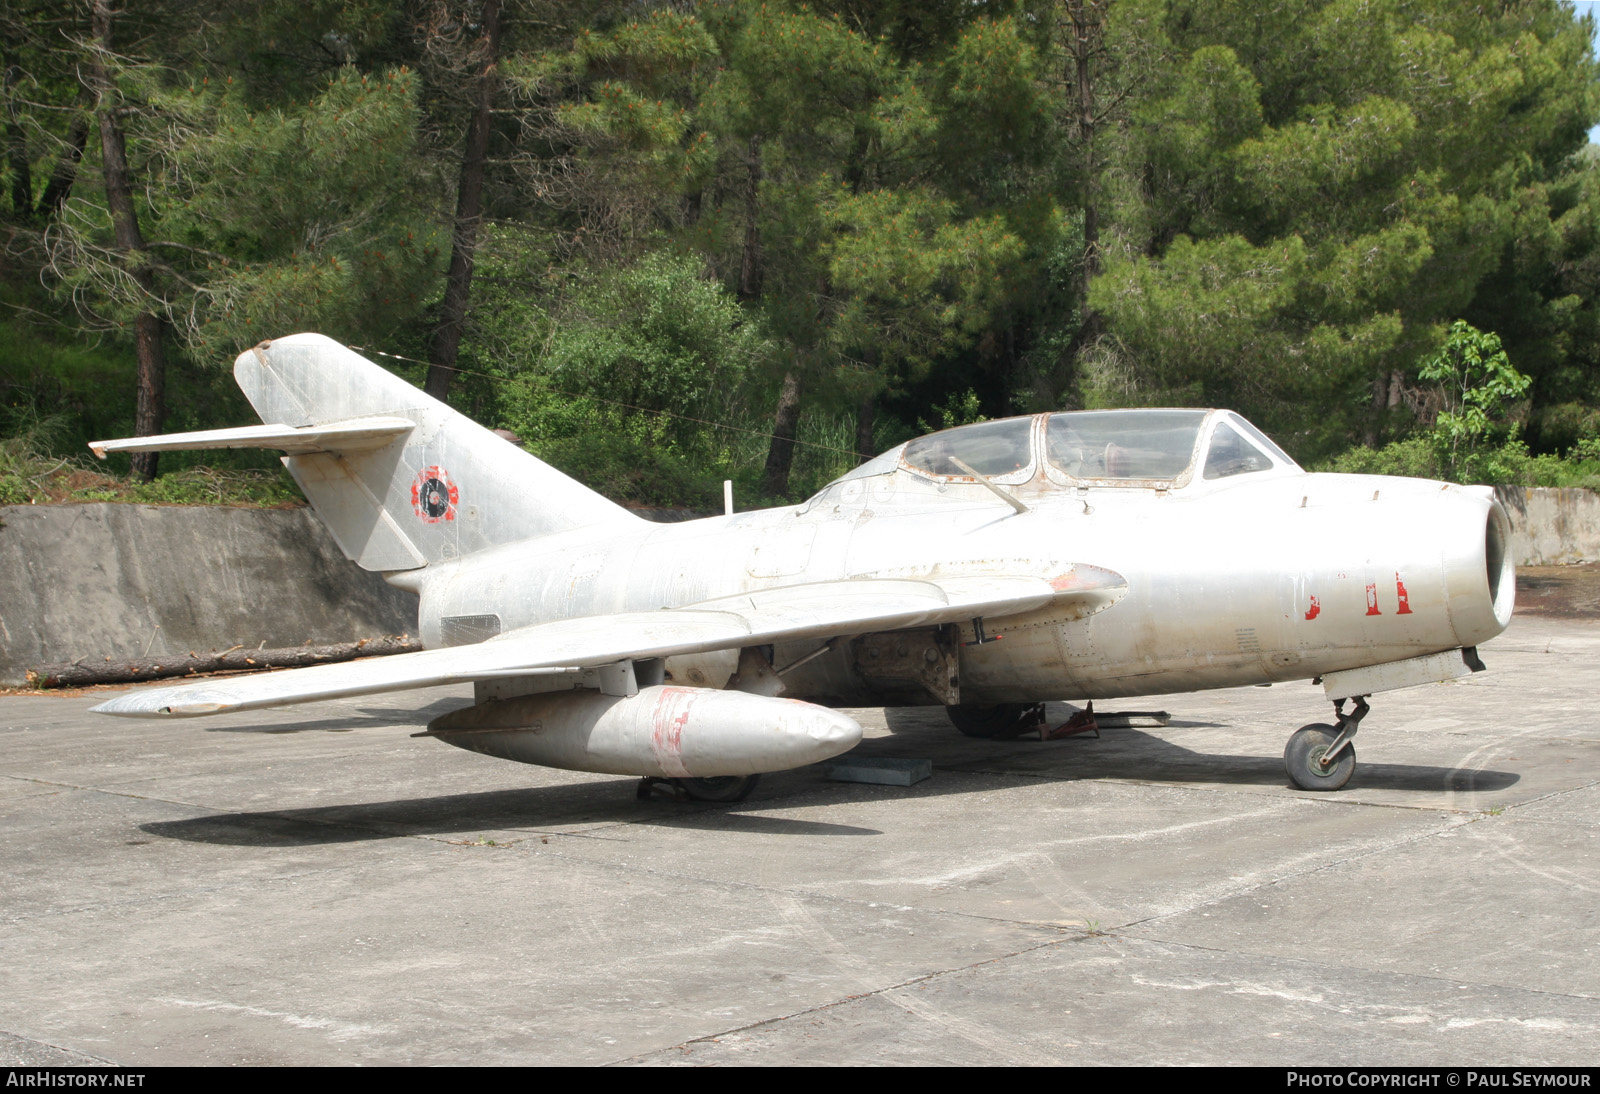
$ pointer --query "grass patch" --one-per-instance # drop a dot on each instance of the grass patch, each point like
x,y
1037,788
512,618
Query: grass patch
x,y
60,481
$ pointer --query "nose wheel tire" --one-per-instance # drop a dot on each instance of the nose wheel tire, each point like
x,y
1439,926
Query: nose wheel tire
x,y
1302,758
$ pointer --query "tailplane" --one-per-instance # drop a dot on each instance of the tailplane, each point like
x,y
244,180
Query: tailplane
x,y
400,479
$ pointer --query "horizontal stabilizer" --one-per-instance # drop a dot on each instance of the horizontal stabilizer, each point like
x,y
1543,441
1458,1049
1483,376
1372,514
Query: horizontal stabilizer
x,y
354,435
822,611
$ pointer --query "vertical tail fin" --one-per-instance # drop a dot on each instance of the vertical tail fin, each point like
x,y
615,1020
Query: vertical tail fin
x,y
447,488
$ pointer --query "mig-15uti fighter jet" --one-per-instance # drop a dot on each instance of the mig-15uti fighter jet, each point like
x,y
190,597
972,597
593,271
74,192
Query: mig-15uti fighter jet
x,y
987,568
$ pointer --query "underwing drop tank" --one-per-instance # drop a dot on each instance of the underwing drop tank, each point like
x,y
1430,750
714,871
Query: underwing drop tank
x,y
664,731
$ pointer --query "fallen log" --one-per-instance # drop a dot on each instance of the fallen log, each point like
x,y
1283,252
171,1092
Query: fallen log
x,y
86,671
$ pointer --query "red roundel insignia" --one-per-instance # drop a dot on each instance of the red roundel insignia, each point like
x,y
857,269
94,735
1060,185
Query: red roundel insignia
x,y
434,496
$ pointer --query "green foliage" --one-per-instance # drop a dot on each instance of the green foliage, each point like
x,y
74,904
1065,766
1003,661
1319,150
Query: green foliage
x,y
639,113
615,136
993,119
1472,440
900,214
44,372
305,216
888,201
807,77
1477,381
958,409
32,472
636,459
913,279
286,51
1414,457
656,336
1508,463
260,221
624,381
211,486
1296,212
629,457
24,453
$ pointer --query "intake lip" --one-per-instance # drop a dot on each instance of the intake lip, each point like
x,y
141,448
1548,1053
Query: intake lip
x,y
1481,574
1499,565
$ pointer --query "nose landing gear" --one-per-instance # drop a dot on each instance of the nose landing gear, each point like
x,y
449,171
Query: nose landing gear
x,y
1321,757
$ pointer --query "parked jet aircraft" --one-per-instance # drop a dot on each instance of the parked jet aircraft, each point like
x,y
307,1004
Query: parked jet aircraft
x,y
1079,555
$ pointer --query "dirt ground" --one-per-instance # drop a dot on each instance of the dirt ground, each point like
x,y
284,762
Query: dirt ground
x,y
1562,592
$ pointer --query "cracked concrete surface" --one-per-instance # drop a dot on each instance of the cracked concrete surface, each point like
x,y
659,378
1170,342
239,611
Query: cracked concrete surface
x,y
314,886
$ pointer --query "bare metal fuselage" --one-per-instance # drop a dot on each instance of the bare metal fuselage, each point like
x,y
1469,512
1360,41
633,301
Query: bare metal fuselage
x,y
1243,581
1115,553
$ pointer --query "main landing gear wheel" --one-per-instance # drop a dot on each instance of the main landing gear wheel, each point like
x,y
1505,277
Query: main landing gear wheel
x,y
996,723
718,788
1303,759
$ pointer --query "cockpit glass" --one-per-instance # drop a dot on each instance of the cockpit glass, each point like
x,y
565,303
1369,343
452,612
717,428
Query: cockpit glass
x,y
989,448
1123,444
1261,440
879,465
1230,454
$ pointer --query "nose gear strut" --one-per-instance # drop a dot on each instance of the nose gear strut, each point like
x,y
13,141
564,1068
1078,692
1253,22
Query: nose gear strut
x,y
1321,757
1347,725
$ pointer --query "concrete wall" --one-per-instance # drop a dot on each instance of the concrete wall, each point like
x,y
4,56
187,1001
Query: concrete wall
x,y
1551,526
108,579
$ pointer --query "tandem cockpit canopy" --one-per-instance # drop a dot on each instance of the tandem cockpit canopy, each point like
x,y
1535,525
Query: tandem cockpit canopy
x,y
1155,449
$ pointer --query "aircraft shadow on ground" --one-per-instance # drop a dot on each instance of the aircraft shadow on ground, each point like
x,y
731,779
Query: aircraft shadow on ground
x,y
567,811
1144,757
571,809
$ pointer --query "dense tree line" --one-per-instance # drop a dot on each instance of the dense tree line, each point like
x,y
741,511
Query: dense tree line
x,y
671,242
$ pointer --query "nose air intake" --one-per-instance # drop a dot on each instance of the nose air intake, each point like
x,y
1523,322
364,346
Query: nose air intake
x,y
1499,564
1480,574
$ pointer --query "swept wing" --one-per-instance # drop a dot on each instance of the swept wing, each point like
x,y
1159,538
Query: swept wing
x,y
819,610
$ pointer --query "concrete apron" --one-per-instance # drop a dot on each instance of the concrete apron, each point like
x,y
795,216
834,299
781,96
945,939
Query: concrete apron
x,y
313,886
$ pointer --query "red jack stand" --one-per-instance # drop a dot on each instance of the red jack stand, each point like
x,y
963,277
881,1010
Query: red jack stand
x,y
1081,722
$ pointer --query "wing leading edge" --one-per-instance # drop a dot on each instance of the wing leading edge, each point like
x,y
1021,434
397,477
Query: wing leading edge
x,y
821,610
